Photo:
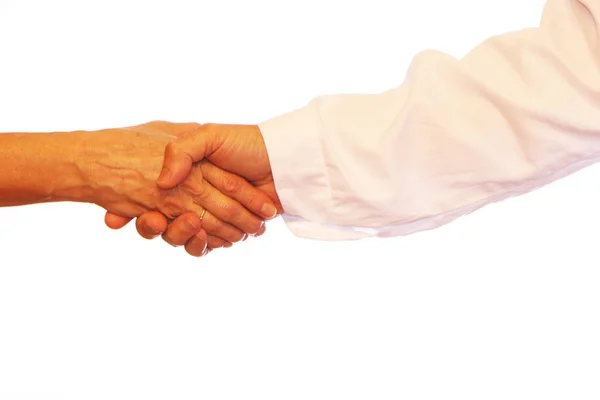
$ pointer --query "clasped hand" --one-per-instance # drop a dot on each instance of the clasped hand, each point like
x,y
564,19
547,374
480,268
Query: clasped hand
x,y
218,172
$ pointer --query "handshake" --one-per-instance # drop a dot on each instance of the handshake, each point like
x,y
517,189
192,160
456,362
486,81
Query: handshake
x,y
199,186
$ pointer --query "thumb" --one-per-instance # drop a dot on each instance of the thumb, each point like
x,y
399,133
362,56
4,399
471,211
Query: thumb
x,y
180,155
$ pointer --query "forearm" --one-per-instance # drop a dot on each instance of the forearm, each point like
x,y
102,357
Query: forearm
x,y
113,168
43,167
519,111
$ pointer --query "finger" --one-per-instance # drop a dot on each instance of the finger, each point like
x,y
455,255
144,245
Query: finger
x,y
151,224
182,229
227,209
114,221
215,227
196,246
239,189
181,154
216,242
261,231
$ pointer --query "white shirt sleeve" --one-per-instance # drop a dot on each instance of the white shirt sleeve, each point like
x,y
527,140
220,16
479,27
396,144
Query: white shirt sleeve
x,y
518,112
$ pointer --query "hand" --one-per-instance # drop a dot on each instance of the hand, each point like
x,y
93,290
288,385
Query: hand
x,y
137,152
177,233
236,148
199,237
239,149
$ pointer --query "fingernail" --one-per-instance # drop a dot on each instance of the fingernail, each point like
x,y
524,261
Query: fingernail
x,y
268,210
256,234
164,176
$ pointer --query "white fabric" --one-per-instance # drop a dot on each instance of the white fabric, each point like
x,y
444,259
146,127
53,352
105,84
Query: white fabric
x,y
520,111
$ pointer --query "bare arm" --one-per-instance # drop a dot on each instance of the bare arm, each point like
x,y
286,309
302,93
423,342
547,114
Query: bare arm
x,y
117,170
40,168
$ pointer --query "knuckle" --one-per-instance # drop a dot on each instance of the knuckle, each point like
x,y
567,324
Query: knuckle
x,y
154,123
171,149
198,191
251,201
231,184
213,226
209,127
229,211
173,205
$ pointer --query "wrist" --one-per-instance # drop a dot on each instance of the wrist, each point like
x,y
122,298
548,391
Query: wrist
x,y
70,180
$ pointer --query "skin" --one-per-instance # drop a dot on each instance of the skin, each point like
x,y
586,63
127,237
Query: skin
x,y
238,149
117,168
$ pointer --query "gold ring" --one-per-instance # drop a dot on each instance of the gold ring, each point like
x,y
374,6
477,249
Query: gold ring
x,y
202,215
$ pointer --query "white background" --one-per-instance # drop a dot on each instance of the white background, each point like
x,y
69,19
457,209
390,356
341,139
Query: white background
x,y
501,304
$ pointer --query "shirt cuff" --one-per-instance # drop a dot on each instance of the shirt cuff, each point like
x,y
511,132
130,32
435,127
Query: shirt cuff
x,y
294,146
